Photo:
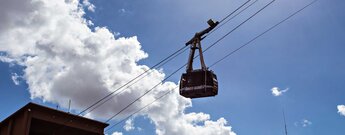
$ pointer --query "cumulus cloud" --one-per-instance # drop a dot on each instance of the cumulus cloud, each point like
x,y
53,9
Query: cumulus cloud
x,y
65,59
306,123
15,78
303,123
122,10
192,124
277,92
117,133
341,109
129,125
89,5
139,128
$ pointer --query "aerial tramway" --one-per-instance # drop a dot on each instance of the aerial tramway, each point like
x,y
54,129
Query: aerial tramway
x,y
198,83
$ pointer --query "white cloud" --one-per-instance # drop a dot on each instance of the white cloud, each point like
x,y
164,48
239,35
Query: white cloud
x,y
89,5
129,125
64,59
190,124
139,128
341,109
277,92
122,10
303,123
117,133
306,123
15,78
6,59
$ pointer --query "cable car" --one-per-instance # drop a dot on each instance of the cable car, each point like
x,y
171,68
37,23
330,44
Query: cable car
x,y
198,83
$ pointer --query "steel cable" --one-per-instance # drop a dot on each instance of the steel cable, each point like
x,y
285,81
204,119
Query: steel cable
x,y
222,24
250,41
216,62
193,58
162,62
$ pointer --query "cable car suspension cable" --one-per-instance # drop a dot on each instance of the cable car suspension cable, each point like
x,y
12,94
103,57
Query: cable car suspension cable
x,y
262,33
147,105
222,24
164,61
279,23
239,25
233,11
120,91
159,64
144,94
187,63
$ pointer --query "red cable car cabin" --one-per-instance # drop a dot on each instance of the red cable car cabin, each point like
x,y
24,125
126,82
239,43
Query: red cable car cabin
x,y
200,82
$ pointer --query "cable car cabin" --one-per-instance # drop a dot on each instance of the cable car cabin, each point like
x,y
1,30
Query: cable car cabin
x,y
198,83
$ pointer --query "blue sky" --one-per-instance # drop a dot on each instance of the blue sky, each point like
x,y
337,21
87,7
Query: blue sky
x,y
304,55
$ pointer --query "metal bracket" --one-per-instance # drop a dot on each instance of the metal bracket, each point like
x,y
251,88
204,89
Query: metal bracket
x,y
195,43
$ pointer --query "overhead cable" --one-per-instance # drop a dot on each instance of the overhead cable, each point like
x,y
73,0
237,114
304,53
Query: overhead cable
x,y
120,91
159,64
186,63
222,24
226,17
162,62
108,95
216,62
240,25
269,29
147,105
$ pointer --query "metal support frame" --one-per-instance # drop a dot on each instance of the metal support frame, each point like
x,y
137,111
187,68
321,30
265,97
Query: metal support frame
x,y
195,43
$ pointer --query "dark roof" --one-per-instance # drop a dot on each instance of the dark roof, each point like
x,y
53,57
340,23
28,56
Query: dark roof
x,y
40,107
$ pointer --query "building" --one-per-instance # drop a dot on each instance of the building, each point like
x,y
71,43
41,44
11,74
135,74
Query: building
x,y
34,119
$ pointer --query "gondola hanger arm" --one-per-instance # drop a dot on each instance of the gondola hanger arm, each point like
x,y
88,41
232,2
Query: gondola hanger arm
x,y
199,35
